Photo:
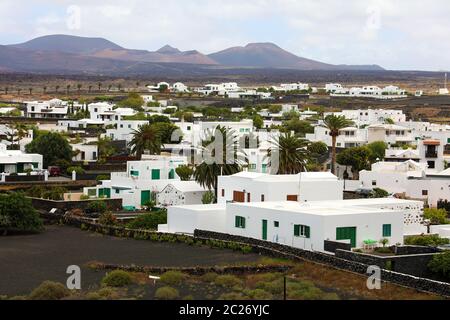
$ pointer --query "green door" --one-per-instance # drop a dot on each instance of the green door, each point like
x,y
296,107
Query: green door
x,y
347,233
172,174
264,229
107,192
145,197
20,167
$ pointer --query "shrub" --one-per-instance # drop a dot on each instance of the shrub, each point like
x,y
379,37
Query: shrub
x,y
17,212
173,277
228,281
208,197
97,207
149,221
101,177
209,277
167,293
184,172
378,193
426,240
77,169
50,290
55,193
383,250
258,294
116,278
84,197
436,216
107,219
232,296
440,264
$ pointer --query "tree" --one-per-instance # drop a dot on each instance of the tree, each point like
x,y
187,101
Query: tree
x,y
389,121
145,138
357,157
436,216
292,152
68,88
300,127
384,242
134,101
184,172
334,124
158,118
79,86
52,146
378,150
17,213
275,108
105,148
227,162
165,131
15,134
258,121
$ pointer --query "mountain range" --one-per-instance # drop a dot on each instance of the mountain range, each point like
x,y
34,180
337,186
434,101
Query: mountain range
x,y
82,55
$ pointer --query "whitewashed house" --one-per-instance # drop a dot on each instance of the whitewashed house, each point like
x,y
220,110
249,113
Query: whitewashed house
x,y
285,87
363,117
304,225
16,161
142,181
390,133
179,193
54,108
123,130
348,137
260,187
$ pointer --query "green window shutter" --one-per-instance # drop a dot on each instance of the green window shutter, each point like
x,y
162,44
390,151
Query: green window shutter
x,y
387,230
308,232
156,174
236,222
172,174
243,222
297,230
134,173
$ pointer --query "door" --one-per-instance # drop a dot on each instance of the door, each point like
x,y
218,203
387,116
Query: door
x,y
20,167
292,197
347,233
264,229
145,197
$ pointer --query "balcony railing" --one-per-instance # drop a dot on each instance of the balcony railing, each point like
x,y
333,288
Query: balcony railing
x,y
431,154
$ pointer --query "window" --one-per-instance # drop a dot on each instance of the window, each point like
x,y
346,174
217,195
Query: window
x,y
156,174
223,192
374,182
424,192
134,173
248,197
239,222
431,164
276,224
302,231
264,168
92,192
386,230
117,191
262,198
293,197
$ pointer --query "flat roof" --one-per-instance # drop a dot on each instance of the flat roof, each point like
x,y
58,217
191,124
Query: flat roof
x,y
328,208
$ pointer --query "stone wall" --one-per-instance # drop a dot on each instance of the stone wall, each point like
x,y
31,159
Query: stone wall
x,y
332,246
194,270
47,205
360,266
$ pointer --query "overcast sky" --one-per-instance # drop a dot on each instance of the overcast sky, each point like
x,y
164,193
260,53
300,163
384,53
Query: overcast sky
x,y
397,34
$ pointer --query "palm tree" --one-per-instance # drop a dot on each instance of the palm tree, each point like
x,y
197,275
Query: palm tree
x,y
292,152
206,173
335,124
45,89
79,86
99,86
89,89
68,88
31,90
56,89
145,137
19,91
6,90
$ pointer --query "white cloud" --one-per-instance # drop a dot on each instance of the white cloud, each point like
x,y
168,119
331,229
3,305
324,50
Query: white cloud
x,y
400,34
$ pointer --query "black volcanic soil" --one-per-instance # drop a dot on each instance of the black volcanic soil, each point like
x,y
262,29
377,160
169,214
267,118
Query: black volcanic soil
x,y
27,261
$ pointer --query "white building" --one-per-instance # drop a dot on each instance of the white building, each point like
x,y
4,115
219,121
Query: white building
x,y
222,89
16,161
285,87
363,117
390,133
348,137
85,152
374,92
179,193
142,181
123,130
260,187
298,224
54,108
409,179
179,87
